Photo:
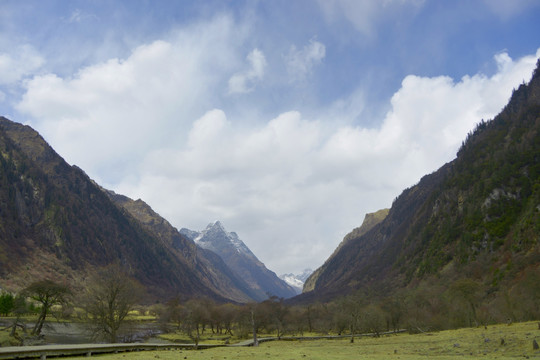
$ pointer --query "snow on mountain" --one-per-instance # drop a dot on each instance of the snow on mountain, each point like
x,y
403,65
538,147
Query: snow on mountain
x,y
215,237
240,260
297,281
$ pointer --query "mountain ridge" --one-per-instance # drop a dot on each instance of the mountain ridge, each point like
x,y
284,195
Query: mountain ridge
x,y
479,211
56,222
211,269
241,260
297,281
370,221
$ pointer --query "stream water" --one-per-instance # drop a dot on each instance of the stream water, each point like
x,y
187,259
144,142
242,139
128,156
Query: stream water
x,y
80,333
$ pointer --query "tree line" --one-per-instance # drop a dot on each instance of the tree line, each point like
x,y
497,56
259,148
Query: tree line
x,y
430,305
110,295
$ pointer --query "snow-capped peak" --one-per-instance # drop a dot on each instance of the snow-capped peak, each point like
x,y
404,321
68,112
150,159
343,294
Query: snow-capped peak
x,y
297,281
215,236
240,260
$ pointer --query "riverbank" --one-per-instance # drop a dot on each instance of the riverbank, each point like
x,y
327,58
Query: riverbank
x,y
72,332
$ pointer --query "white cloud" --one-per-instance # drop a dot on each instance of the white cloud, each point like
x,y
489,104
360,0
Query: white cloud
x,y
79,16
148,126
301,62
207,128
131,105
244,82
299,184
366,14
21,62
76,16
508,9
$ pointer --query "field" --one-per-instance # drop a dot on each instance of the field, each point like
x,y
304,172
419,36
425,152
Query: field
x,y
496,342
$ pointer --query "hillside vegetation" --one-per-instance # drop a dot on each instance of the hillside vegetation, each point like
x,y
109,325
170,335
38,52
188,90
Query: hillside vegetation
x,y
474,223
370,220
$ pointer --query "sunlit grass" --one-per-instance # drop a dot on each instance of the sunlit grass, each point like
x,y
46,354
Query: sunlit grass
x,y
470,343
6,340
180,337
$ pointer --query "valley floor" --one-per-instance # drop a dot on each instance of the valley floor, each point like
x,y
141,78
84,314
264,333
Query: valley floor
x,y
496,342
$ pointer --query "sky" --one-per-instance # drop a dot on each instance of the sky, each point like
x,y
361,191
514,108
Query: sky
x,y
288,121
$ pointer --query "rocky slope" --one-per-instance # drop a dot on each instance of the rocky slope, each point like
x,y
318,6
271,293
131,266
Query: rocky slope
x,y
241,260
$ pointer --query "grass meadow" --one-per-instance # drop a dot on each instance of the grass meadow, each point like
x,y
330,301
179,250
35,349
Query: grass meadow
x,y
496,342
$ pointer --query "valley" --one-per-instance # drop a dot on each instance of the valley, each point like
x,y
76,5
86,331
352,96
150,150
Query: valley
x,y
459,249
494,342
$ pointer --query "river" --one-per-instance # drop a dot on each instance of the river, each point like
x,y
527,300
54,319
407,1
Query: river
x,y
80,333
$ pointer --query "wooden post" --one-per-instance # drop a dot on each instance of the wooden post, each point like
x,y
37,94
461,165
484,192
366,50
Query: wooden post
x,y
255,341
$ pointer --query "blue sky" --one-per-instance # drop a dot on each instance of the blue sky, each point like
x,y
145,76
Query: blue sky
x,y
286,120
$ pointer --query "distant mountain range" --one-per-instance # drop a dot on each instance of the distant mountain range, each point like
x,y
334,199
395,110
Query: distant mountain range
x,y
476,217
240,260
297,281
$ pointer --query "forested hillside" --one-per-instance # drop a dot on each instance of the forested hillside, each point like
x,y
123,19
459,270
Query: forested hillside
x,y
475,219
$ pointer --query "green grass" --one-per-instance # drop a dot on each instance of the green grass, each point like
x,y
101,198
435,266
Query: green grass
x,y
470,343
180,337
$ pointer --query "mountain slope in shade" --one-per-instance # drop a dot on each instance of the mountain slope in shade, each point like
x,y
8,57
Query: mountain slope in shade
x,y
477,216
55,222
370,221
241,260
210,268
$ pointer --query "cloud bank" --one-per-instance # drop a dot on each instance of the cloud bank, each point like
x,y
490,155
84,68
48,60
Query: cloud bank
x,y
151,126
14,66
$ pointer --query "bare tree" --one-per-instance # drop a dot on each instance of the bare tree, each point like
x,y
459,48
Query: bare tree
x,y
274,312
251,319
19,309
254,325
196,316
373,319
47,293
394,307
351,306
171,312
468,292
228,314
110,295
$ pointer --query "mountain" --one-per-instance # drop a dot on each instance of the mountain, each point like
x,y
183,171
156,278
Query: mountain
x,y
211,269
241,260
297,281
476,217
55,222
370,221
